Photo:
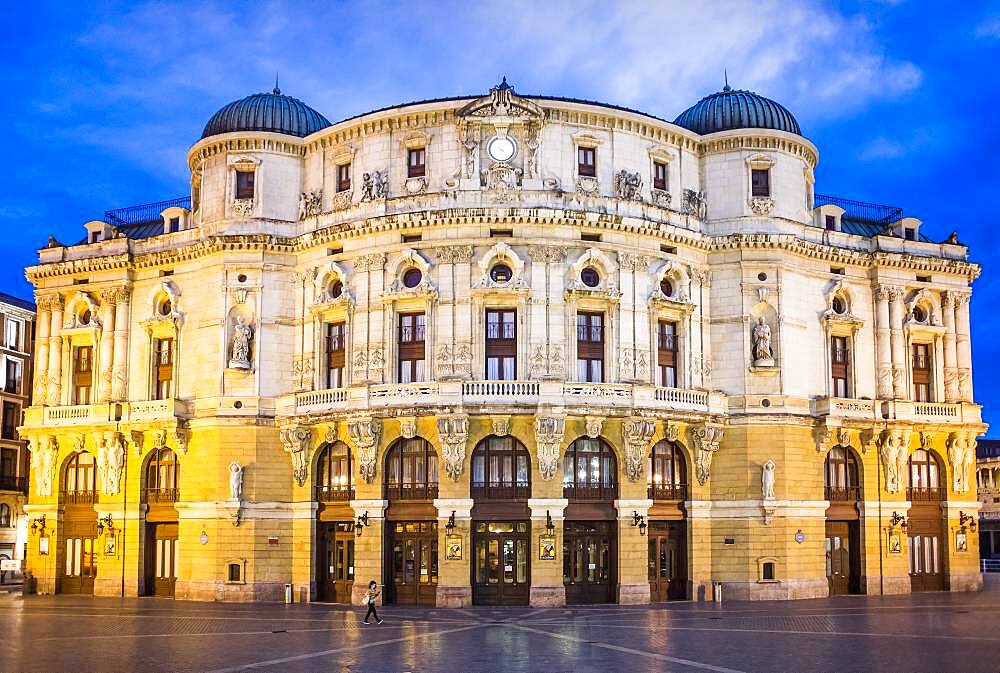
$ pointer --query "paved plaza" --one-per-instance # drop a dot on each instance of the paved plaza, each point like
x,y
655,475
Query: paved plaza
x,y
931,632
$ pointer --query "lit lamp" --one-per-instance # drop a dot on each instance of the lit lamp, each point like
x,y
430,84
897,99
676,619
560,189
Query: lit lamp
x,y
964,519
897,519
38,525
639,521
550,527
450,526
361,523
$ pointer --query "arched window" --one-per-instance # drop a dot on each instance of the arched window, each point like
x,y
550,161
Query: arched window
x,y
4,515
162,473
667,475
840,475
411,471
80,479
500,469
333,473
924,477
589,471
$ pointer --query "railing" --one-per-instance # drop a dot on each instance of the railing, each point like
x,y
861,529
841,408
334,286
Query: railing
x,y
160,495
586,492
79,497
334,493
599,390
861,211
520,490
147,212
681,396
9,482
155,409
926,493
411,491
989,565
320,398
504,389
942,410
76,412
667,492
403,391
841,493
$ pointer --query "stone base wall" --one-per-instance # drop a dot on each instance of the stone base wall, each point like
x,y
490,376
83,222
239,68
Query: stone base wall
x,y
780,590
267,592
547,597
965,582
633,594
453,596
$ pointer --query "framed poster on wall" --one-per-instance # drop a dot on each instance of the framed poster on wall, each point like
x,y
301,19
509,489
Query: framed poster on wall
x,y
546,548
43,545
454,547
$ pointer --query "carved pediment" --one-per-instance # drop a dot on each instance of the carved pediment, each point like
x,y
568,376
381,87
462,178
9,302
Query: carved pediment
x,y
501,101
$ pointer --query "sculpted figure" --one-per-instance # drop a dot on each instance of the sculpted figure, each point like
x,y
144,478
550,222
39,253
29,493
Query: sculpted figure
x,y
762,342
235,481
242,333
767,480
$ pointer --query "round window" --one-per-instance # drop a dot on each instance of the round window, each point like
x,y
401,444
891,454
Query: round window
x,y
919,314
166,307
500,273
242,278
667,288
839,307
85,317
412,278
761,276
590,277
336,289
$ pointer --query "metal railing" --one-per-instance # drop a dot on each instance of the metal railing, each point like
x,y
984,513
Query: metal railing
x,y
161,495
519,490
585,492
334,493
79,497
925,493
147,212
861,211
9,482
399,491
841,493
989,565
667,492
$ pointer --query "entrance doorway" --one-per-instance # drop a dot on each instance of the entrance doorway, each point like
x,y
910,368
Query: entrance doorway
x,y
80,569
501,572
843,557
925,556
667,562
589,561
336,561
413,563
161,559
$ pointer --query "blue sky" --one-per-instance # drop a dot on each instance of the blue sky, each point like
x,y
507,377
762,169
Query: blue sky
x,y
101,102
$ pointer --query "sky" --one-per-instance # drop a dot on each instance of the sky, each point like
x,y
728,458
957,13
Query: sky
x,y
103,100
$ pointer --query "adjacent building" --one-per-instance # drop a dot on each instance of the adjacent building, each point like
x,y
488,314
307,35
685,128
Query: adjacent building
x,y
503,349
988,487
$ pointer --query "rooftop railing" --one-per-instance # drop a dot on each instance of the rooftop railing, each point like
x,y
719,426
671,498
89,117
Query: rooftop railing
x,y
862,211
147,212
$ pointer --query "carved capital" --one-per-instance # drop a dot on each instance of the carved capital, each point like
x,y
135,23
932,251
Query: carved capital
x,y
706,440
364,434
636,433
549,431
295,440
454,434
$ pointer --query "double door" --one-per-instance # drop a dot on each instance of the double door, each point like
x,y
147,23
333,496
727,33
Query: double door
x,y
926,571
501,574
413,563
80,548
161,559
843,557
589,561
667,561
336,561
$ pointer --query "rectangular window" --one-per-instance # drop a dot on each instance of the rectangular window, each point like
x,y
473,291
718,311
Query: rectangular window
x,y
590,347
335,350
411,347
83,374
910,234
163,368
839,361
11,417
95,236
760,182
659,175
12,382
666,354
831,222
244,184
8,458
921,373
501,345
586,161
343,177
415,163
12,334
175,224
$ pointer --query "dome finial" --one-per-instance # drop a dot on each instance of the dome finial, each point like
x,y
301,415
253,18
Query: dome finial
x,y
276,91
725,74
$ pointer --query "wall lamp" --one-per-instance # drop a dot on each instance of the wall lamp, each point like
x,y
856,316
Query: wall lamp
x,y
38,525
361,523
550,527
897,519
105,523
639,521
967,519
450,526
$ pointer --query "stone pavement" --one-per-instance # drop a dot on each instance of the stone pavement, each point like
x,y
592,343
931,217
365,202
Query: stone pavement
x,y
932,632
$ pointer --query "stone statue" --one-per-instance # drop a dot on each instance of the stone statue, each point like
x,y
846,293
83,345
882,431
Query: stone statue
x,y
761,339
628,185
374,186
235,481
767,480
302,205
114,461
242,333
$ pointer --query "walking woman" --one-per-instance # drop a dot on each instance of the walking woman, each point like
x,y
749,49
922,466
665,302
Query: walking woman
x,y
370,596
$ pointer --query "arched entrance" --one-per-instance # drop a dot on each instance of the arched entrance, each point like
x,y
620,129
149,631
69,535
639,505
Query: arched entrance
x,y
501,486
160,494
925,525
334,523
411,485
590,483
842,487
77,564
667,487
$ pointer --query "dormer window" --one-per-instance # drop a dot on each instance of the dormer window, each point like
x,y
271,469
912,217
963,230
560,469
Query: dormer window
x,y
244,184
659,175
416,162
910,234
343,177
586,161
95,236
760,182
831,223
175,225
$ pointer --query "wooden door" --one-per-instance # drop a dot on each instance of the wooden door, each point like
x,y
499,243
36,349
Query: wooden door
x,y
79,568
413,566
588,562
161,559
336,576
667,561
839,546
501,573
926,572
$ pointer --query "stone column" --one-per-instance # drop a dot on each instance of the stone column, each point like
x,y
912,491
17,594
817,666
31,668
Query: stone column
x,y
964,347
898,345
950,348
453,589
368,553
119,378
547,588
633,553
54,395
108,298
883,351
42,325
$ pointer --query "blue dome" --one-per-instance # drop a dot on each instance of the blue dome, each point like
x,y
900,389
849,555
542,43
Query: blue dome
x,y
734,109
269,112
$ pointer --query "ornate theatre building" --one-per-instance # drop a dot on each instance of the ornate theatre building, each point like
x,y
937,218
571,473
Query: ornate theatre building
x,y
503,350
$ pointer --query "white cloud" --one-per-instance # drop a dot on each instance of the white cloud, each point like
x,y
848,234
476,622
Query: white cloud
x,y
880,149
989,28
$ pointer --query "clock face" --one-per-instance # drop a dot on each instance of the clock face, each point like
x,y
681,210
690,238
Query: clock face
x,y
501,148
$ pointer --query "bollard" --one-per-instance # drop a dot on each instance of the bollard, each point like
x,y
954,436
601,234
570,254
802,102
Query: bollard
x,y
717,592
288,593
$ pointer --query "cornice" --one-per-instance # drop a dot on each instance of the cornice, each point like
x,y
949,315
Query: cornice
x,y
247,141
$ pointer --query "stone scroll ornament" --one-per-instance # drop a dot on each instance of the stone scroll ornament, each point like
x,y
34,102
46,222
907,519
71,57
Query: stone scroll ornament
x,y
365,434
706,440
454,434
637,433
295,440
549,432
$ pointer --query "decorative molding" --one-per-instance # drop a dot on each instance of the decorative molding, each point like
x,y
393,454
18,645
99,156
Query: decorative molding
x,y
588,185
761,205
454,434
660,197
501,425
594,425
407,427
636,434
706,440
295,440
365,434
549,431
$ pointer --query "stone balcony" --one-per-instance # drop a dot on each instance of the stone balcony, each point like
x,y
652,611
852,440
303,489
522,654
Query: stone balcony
x,y
949,413
109,412
493,394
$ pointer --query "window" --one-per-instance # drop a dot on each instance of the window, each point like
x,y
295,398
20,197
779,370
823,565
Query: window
x,y
589,471
659,175
839,363
343,177
11,417
8,463
590,347
411,347
500,469
412,278
666,478
501,273
244,184
175,225
411,238
924,477
593,238
831,222
335,349
415,163
4,515
501,233
760,182
586,161
235,572
333,473
12,382
910,234
840,475
666,354
501,345
12,334
411,470
163,368
767,571
83,374
162,476
921,373
80,480
590,277
95,236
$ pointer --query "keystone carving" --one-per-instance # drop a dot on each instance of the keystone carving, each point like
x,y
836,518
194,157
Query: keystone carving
x,y
364,435
549,432
501,425
295,441
637,433
706,440
595,424
823,435
454,433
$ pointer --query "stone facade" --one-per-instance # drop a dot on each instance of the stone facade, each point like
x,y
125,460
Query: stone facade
x,y
244,289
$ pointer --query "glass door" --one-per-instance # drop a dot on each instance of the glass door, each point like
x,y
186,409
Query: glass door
x,y
501,572
414,562
588,562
